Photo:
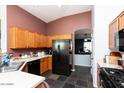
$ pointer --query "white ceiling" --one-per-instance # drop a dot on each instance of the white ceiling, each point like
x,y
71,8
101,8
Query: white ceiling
x,y
49,13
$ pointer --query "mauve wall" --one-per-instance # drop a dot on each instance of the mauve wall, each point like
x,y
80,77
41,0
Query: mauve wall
x,y
20,18
70,24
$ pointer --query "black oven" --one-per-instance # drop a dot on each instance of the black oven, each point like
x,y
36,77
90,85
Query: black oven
x,y
119,40
105,80
111,78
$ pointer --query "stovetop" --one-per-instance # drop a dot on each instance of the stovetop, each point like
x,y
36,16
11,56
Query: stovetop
x,y
116,76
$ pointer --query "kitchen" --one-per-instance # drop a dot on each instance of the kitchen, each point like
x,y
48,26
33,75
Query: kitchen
x,y
38,45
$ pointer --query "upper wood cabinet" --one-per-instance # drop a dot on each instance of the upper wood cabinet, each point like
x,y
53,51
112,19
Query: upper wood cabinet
x,y
50,38
18,38
113,28
121,21
23,38
30,40
116,25
37,40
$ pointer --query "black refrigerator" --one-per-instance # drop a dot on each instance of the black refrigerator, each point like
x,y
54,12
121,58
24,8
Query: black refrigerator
x,y
62,57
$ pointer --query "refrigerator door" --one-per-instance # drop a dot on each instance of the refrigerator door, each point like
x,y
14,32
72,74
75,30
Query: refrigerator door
x,y
61,57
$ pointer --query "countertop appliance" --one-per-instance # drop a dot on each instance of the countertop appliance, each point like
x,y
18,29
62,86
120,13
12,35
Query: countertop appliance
x,y
112,78
49,51
119,40
62,57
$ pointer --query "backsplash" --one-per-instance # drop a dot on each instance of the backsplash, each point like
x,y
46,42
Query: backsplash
x,y
18,52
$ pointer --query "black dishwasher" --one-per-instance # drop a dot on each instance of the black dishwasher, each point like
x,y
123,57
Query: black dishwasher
x,y
34,67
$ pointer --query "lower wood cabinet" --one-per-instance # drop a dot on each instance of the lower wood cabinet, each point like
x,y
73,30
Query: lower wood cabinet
x,y
25,68
49,63
41,85
45,64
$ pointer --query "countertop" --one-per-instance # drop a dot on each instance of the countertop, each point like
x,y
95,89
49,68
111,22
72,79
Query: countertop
x,y
29,60
107,65
18,79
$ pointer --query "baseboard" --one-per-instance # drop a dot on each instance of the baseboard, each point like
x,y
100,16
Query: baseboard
x,y
84,65
72,70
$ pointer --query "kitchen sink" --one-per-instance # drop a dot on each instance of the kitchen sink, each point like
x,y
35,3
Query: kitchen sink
x,y
13,66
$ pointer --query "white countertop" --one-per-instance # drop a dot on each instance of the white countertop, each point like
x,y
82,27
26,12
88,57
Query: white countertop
x,y
18,79
29,60
102,64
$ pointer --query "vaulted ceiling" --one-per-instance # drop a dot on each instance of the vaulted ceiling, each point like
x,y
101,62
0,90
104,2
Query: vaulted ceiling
x,y
49,13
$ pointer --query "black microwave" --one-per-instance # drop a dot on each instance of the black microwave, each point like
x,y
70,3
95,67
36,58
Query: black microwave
x,y
119,40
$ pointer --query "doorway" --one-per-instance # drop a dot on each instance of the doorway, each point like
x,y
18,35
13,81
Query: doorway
x,y
83,47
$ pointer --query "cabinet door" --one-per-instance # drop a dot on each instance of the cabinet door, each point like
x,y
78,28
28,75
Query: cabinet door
x,y
49,63
36,37
121,21
43,42
12,37
49,41
43,65
38,40
113,28
30,40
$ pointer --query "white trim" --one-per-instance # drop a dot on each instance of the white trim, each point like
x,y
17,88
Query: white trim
x,y
72,70
84,65
95,86
3,17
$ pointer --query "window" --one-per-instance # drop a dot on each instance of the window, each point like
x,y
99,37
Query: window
x,y
87,47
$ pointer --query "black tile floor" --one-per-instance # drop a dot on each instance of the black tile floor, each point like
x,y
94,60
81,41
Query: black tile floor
x,y
81,78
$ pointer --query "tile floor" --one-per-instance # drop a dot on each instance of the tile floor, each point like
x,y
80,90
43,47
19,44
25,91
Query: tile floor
x,y
81,78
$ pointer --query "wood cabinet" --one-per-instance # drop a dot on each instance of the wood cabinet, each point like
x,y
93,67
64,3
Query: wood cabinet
x,y
43,41
30,40
41,85
43,65
49,41
37,40
23,38
121,21
25,68
116,25
56,37
18,38
49,60
113,28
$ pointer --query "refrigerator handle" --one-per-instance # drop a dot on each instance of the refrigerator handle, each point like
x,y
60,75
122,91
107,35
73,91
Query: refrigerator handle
x,y
58,48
